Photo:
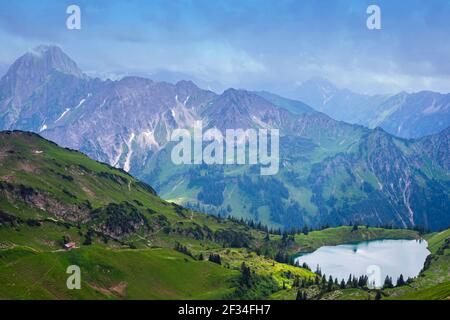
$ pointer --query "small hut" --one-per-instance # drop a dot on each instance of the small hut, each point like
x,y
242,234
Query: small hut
x,y
70,245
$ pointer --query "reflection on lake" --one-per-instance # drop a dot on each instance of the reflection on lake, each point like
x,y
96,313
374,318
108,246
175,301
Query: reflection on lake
x,y
377,259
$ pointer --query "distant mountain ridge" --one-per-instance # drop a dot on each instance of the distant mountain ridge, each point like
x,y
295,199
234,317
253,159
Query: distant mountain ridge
x,y
331,172
293,106
406,115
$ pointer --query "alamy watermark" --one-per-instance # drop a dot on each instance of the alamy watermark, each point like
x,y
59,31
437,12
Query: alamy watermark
x,y
374,277
74,280
73,22
374,20
238,146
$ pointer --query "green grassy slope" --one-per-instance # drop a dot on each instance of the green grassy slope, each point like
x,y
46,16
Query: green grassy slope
x,y
111,274
437,239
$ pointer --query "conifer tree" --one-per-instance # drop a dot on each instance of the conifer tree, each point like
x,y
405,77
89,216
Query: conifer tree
x,y
318,271
388,282
247,275
349,281
305,230
400,281
330,284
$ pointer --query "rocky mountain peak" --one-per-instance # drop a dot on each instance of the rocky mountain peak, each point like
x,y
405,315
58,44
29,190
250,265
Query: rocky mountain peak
x,y
33,68
186,84
319,83
43,60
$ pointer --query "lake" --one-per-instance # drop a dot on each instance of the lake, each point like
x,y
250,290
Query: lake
x,y
373,258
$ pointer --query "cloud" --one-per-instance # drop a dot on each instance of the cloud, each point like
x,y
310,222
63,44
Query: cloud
x,y
26,20
212,57
250,43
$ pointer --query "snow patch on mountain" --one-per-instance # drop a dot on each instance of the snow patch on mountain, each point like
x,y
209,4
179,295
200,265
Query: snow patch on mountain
x,y
115,162
63,114
127,164
260,123
147,139
183,116
432,109
80,103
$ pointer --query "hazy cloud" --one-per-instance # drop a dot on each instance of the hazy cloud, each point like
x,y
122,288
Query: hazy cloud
x,y
246,43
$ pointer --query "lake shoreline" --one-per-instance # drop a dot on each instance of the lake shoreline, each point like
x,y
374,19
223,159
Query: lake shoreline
x,y
299,254
379,258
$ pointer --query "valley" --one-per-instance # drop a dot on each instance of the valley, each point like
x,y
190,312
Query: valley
x,y
130,244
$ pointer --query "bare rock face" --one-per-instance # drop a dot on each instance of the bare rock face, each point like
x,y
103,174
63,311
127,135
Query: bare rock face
x,y
124,122
32,69
417,115
37,87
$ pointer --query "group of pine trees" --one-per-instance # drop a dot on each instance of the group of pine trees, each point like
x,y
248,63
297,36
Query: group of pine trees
x,y
388,282
183,249
215,258
329,284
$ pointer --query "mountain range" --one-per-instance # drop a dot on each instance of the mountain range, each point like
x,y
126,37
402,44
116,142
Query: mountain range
x,y
331,172
406,115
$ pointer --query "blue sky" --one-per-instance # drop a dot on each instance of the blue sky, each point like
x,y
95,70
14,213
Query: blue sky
x,y
253,44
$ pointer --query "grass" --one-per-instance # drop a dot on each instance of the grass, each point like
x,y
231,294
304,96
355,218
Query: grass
x,y
46,237
112,274
438,292
436,239
283,274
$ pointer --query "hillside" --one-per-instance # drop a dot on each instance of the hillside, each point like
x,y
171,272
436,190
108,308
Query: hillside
x,y
130,244
111,274
330,174
125,234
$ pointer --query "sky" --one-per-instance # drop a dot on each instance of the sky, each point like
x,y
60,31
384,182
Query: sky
x,y
271,45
